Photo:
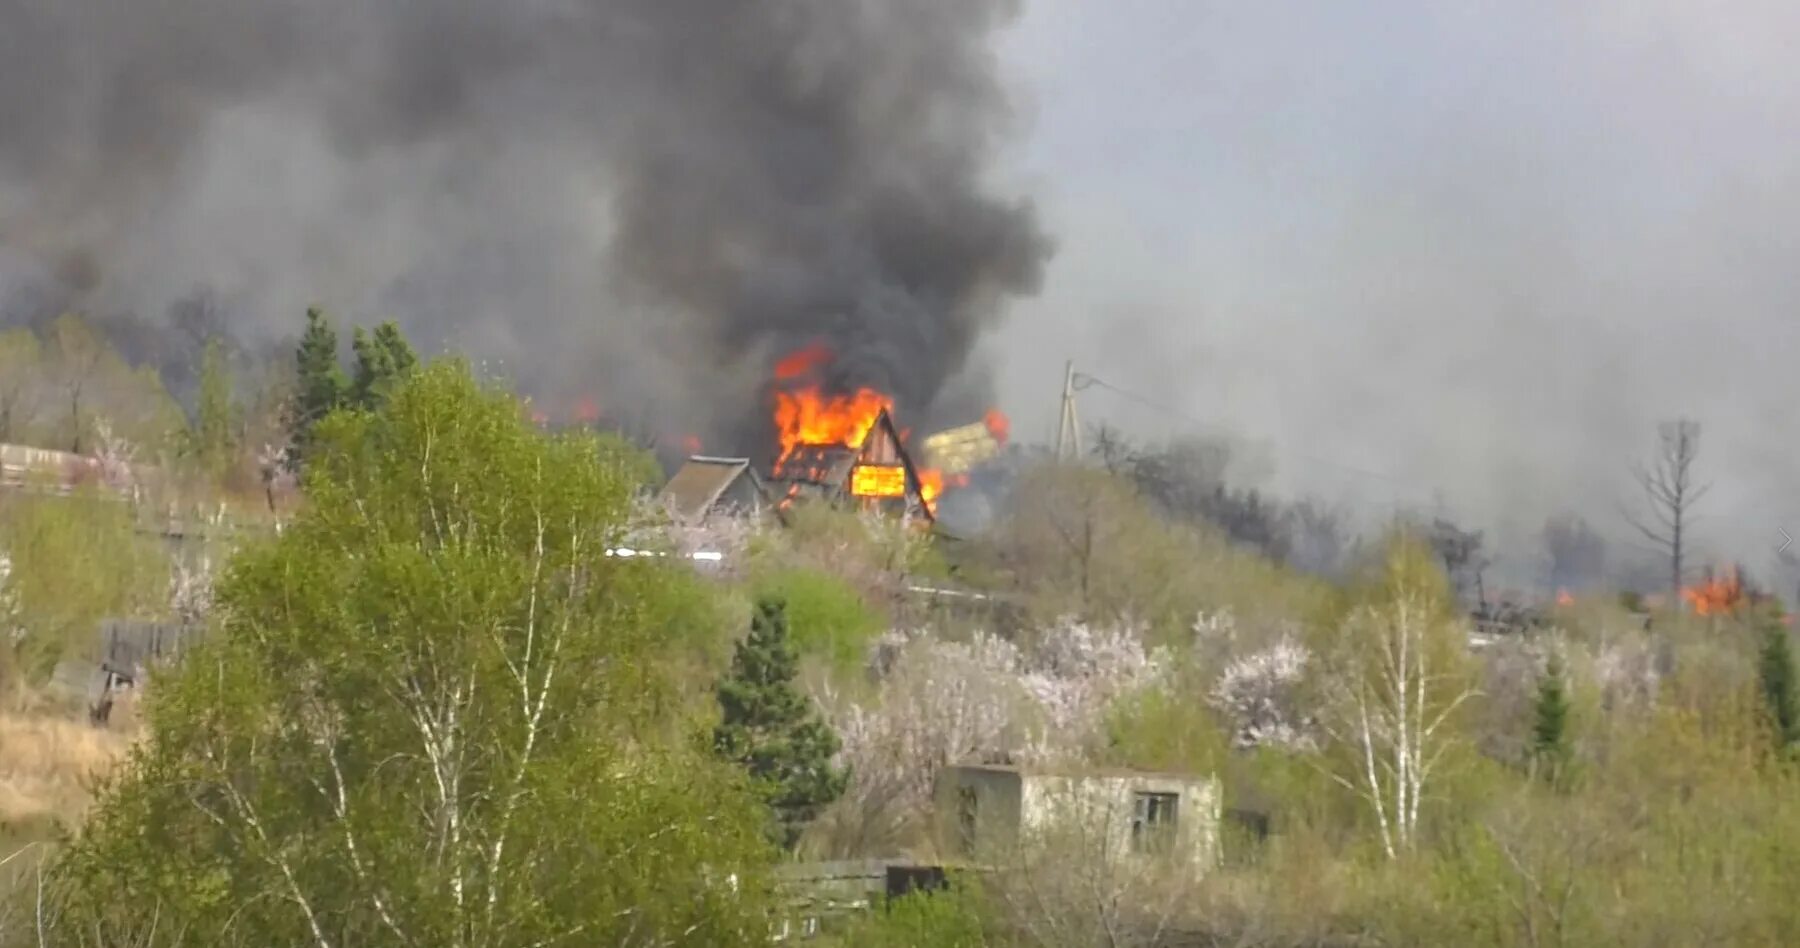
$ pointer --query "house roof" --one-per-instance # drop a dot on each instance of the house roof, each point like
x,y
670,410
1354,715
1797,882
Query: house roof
x,y
701,481
1071,770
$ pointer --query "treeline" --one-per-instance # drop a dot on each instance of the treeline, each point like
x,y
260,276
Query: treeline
x,y
433,710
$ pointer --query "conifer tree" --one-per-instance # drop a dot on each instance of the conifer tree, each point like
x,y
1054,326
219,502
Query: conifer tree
x,y
320,385
1775,666
381,360
1550,727
767,728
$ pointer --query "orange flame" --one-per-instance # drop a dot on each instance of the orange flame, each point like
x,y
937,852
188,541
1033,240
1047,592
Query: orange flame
x,y
691,444
587,410
807,416
998,425
1563,598
1715,596
803,362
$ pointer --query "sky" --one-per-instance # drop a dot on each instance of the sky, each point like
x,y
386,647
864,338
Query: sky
x,y
1477,248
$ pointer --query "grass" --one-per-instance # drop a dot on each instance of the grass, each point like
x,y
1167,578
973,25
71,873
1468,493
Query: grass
x,y
47,766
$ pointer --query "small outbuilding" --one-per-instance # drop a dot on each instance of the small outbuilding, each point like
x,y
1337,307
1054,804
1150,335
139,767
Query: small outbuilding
x,y
983,808
708,485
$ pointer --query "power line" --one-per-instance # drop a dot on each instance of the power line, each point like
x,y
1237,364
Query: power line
x,y
1083,381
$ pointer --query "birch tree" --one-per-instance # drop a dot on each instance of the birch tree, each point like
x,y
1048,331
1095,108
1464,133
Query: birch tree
x,y
1393,689
433,714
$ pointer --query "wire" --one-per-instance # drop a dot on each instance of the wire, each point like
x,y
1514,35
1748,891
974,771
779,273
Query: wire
x,y
1082,381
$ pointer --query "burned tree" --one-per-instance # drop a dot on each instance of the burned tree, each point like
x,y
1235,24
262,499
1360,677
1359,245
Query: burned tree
x,y
1670,494
1576,553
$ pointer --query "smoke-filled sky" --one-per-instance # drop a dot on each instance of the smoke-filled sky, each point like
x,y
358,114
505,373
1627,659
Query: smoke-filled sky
x,y
646,200
1478,246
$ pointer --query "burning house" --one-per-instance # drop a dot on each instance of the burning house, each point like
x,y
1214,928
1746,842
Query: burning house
x,y
872,472
838,443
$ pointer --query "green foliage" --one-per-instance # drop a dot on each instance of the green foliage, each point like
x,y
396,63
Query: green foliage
x,y
1775,670
320,386
75,561
950,918
1166,730
768,729
212,437
382,360
434,714
825,615
21,362
1550,749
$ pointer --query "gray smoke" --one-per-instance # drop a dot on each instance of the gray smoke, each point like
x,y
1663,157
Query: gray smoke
x,y
649,200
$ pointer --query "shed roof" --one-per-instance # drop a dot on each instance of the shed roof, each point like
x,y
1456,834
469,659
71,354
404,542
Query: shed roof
x,y
701,481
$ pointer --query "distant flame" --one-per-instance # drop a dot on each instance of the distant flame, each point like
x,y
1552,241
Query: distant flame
x,y
1715,596
998,425
691,444
587,410
1563,598
804,362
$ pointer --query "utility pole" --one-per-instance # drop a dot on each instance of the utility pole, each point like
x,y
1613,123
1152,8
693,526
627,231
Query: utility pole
x,y
1068,430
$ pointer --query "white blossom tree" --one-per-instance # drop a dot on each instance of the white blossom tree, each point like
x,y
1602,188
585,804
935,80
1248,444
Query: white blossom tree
x,y
1261,695
1077,671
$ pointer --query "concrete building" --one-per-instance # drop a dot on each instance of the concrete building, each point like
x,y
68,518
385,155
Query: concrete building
x,y
982,808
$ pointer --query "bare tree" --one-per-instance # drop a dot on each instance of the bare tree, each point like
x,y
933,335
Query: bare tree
x,y
1577,554
1670,494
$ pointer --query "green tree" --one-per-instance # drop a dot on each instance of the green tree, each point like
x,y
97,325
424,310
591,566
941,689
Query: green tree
x,y
382,359
320,387
432,714
1550,749
21,365
1775,667
768,729
213,434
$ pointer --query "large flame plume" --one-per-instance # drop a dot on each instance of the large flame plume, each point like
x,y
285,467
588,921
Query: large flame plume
x,y
806,414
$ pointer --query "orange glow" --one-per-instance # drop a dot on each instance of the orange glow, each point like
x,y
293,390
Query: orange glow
x,y
1718,596
804,362
806,416
691,444
1563,598
587,410
998,425
878,480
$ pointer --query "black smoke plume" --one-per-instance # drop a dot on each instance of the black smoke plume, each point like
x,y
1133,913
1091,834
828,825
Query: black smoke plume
x,y
648,200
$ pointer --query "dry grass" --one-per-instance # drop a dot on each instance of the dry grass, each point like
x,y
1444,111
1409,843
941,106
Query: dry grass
x,y
47,763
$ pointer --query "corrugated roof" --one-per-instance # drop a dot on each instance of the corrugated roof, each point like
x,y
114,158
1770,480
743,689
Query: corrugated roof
x,y
700,482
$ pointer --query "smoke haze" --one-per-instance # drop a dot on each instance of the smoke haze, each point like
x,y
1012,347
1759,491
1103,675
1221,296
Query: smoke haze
x,y
645,199
1478,248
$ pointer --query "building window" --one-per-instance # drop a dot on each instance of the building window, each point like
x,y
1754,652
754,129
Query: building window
x,y
1153,821
966,801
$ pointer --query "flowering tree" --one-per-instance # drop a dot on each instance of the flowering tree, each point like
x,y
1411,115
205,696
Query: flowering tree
x,y
12,629
1077,671
939,703
191,592
1260,694
942,702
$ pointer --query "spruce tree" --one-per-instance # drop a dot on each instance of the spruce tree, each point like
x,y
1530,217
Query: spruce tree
x,y
1775,667
382,359
320,384
767,728
1550,727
